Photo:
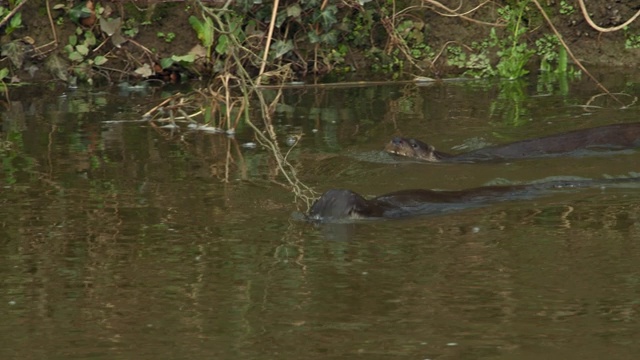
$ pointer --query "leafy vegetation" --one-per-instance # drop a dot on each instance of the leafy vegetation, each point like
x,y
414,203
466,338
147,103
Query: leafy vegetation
x,y
249,43
15,21
632,41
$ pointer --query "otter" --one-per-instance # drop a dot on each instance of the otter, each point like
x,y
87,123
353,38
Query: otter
x,y
609,137
343,204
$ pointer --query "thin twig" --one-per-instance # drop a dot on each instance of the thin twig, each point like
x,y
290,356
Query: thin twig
x,y
272,24
53,25
454,12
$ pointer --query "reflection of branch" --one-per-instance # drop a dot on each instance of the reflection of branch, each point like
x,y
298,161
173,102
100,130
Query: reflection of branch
x,y
300,189
594,97
249,87
585,13
564,44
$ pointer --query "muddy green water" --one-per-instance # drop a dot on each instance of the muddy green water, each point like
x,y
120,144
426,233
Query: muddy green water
x,y
123,241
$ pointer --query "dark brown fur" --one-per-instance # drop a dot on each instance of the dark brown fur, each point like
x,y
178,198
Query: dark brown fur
x,y
610,137
340,204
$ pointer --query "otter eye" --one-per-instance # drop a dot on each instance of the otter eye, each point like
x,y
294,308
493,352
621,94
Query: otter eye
x,y
414,145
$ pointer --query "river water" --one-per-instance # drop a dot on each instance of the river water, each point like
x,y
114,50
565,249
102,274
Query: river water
x,y
122,240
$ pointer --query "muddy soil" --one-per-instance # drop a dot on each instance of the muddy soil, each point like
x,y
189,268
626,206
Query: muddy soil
x,y
592,47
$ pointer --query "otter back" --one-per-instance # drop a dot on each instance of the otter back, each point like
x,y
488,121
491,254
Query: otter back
x,y
572,143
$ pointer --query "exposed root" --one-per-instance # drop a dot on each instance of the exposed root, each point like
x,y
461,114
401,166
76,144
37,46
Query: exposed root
x,y
585,13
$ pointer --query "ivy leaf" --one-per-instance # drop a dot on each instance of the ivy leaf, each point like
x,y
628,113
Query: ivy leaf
x,y
110,26
3,73
73,40
282,47
280,18
15,51
330,38
56,66
79,12
294,10
313,37
327,17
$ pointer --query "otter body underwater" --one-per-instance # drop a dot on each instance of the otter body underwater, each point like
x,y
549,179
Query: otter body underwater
x,y
343,204
577,142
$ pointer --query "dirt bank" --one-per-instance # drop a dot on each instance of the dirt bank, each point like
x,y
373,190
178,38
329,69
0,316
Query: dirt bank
x,y
160,30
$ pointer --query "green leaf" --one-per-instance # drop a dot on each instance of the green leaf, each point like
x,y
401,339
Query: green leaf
x,y
79,12
280,18
223,43
76,57
189,58
208,32
327,17
56,66
313,37
197,26
16,22
110,26
99,60
330,38
82,49
89,39
3,73
203,30
15,51
294,10
166,63
282,47
73,40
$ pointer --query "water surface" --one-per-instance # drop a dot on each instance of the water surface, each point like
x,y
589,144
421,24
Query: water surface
x,y
122,240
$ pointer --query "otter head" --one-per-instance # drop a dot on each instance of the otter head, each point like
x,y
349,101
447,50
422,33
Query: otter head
x,y
412,148
339,204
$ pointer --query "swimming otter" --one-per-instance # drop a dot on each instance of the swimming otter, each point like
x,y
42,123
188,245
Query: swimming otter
x,y
610,137
341,204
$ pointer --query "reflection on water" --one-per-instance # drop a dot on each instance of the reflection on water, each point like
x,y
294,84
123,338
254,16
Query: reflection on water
x,y
126,241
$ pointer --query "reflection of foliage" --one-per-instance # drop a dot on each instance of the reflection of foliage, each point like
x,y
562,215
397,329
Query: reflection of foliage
x,y
13,158
553,65
4,72
509,105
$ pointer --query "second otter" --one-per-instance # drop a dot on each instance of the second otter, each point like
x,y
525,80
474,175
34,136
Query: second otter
x,y
342,204
610,137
